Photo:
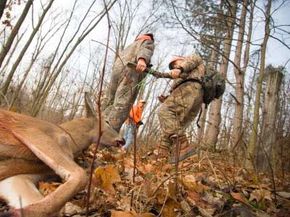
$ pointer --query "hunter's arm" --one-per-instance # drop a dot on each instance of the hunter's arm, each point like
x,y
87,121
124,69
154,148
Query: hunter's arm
x,y
146,51
190,63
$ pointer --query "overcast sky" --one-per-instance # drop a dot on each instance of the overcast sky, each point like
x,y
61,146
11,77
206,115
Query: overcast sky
x,y
169,42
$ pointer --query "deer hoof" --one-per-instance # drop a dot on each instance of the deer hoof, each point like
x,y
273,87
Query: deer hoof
x,y
10,213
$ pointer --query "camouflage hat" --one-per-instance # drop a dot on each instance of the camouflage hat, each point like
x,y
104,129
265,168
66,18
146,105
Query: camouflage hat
x,y
175,58
146,36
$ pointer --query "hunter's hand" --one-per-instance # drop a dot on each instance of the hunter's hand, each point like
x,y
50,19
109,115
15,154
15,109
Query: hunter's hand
x,y
162,98
175,73
141,65
139,124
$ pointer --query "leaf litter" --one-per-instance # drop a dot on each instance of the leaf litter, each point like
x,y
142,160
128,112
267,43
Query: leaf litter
x,y
206,185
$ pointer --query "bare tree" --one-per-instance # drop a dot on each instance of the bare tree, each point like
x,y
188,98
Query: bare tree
x,y
42,95
6,47
253,139
24,49
212,131
270,111
12,51
240,76
2,7
42,41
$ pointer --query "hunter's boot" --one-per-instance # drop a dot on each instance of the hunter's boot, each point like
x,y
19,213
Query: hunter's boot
x,y
163,151
181,148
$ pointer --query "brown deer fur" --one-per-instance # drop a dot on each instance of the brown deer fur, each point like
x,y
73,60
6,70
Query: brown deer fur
x,y
33,146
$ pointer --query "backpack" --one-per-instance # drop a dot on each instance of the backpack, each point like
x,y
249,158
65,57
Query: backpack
x,y
213,84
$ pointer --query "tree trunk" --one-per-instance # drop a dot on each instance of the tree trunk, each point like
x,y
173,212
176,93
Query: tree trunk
x,y
253,138
23,51
202,122
240,75
214,118
264,151
200,132
9,58
244,68
44,94
8,44
2,7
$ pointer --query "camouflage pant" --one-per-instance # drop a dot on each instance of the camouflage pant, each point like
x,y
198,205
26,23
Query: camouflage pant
x,y
179,110
121,94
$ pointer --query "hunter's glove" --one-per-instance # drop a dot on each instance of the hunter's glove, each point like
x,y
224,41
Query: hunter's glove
x,y
162,98
139,124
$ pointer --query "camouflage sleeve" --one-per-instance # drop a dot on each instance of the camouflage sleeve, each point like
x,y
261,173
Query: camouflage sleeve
x,y
146,50
191,63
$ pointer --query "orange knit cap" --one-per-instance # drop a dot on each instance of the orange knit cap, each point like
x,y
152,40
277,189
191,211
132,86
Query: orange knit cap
x,y
175,58
147,36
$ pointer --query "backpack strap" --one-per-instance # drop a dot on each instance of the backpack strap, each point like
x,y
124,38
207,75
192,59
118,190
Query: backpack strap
x,y
198,118
188,80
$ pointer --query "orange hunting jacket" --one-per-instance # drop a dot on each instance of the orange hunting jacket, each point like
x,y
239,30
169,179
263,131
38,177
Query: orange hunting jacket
x,y
135,114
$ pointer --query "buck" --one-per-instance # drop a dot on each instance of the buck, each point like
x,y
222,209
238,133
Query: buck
x,y
31,148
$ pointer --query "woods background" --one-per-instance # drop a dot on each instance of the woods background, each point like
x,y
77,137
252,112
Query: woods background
x,y
52,51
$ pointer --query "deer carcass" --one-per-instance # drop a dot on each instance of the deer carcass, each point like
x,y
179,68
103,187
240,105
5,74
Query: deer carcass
x,y
32,146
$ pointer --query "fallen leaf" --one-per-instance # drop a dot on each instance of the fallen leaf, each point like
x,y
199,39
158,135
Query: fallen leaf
x,y
284,194
129,173
70,209
259,186
239,197
185,206
130,214
128,163
46,188
215,201
145,168
138,179
160,195
124,203
148,188
170,207
260,195
206,212
106,177
145,215
107,156
122,214
190,183
171,188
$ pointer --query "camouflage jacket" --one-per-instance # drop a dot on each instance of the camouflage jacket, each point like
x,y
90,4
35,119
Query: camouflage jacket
x,y
193,66
138,49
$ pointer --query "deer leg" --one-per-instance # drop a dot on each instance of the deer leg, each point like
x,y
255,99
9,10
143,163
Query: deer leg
x,y
20,191
46,148
12,167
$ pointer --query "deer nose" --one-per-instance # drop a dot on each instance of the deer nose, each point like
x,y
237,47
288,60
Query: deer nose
x,y
120,142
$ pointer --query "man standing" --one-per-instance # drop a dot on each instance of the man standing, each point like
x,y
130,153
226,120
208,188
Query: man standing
x,y
132,123
182,105
125,81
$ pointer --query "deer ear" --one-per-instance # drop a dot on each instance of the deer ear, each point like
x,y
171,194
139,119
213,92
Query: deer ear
x,y
90,111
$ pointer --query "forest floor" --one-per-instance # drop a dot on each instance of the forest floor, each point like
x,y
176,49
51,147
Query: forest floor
x,y
207,184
